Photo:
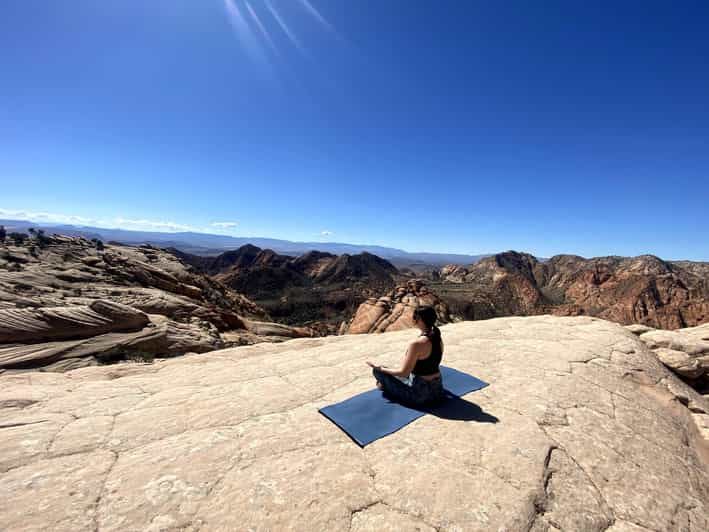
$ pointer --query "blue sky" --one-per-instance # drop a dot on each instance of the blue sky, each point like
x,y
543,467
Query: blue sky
x,y
445,126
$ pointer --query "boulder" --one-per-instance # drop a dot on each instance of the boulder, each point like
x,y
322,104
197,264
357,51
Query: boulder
x,y
685,351
638,329
276,329
681,362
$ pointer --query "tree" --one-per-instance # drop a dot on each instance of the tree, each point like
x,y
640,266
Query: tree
x,y
42,239
99,245
3,233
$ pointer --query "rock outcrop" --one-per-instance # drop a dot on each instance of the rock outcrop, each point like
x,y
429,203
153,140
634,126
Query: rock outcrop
x,y
581,429
71,271
643,290
160,337
68,302
19,325
685,351
394,311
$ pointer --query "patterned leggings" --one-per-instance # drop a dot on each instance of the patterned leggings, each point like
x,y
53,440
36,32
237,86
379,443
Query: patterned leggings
x,y
420,393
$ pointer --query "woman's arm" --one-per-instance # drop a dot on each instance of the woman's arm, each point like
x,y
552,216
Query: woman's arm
x,y
409,362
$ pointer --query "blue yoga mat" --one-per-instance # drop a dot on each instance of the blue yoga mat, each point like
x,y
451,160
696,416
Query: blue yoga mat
x,y
369,416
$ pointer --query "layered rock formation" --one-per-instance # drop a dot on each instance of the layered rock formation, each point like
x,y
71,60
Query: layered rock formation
x,y
685,351
67,302
644,289
581,429
18,325
394,311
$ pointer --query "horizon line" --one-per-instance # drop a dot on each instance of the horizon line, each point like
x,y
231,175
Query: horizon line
x,y
477,255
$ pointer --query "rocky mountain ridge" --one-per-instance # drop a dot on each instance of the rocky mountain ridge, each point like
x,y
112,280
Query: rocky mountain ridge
x,y
313,287
206,244
644,289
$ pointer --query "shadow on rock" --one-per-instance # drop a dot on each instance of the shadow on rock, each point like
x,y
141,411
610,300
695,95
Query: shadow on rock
x,y
459,409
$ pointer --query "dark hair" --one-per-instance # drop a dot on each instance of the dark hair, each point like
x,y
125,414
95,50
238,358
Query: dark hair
x,y
427,315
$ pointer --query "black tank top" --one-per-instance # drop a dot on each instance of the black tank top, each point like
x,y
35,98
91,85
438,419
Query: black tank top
x,y
429,365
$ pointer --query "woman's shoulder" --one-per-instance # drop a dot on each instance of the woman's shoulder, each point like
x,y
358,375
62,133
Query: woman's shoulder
x,y
422,340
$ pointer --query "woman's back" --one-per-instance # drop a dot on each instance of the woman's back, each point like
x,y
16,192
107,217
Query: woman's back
x,y
430,364
419,381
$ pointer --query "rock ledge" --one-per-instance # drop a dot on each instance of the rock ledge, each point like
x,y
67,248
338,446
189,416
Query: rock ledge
x,y
589,434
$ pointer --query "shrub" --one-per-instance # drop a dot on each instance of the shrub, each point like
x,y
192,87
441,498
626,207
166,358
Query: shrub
x,y
18,238
41,238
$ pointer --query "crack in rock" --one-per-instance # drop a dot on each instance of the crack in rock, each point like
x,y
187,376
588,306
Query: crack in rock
x,y
11,425
101,491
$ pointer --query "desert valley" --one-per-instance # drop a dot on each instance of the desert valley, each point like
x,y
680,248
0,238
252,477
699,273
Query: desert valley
x,y
68,302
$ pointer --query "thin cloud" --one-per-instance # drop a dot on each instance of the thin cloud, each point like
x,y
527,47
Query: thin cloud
x,y
44,217
225,225
73,219
152,224
326,233
287,30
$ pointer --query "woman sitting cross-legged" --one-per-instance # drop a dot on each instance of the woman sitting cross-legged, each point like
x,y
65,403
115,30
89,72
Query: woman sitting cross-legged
x,y
418,382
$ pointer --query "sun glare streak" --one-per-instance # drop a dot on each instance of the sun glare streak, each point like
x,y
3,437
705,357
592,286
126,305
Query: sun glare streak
x,y
262,29
287,30
245,35
322,20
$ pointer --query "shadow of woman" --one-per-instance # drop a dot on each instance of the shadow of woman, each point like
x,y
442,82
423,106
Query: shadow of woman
x,y
458,409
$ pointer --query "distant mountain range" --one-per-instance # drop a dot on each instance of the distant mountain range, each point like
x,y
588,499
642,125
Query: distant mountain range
x,y
313,287
208,244
626,290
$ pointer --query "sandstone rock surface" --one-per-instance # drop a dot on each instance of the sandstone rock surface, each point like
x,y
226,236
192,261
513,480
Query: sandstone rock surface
x,y
685,351
581,429
161,337
64,304
394,311
57,323
68,271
